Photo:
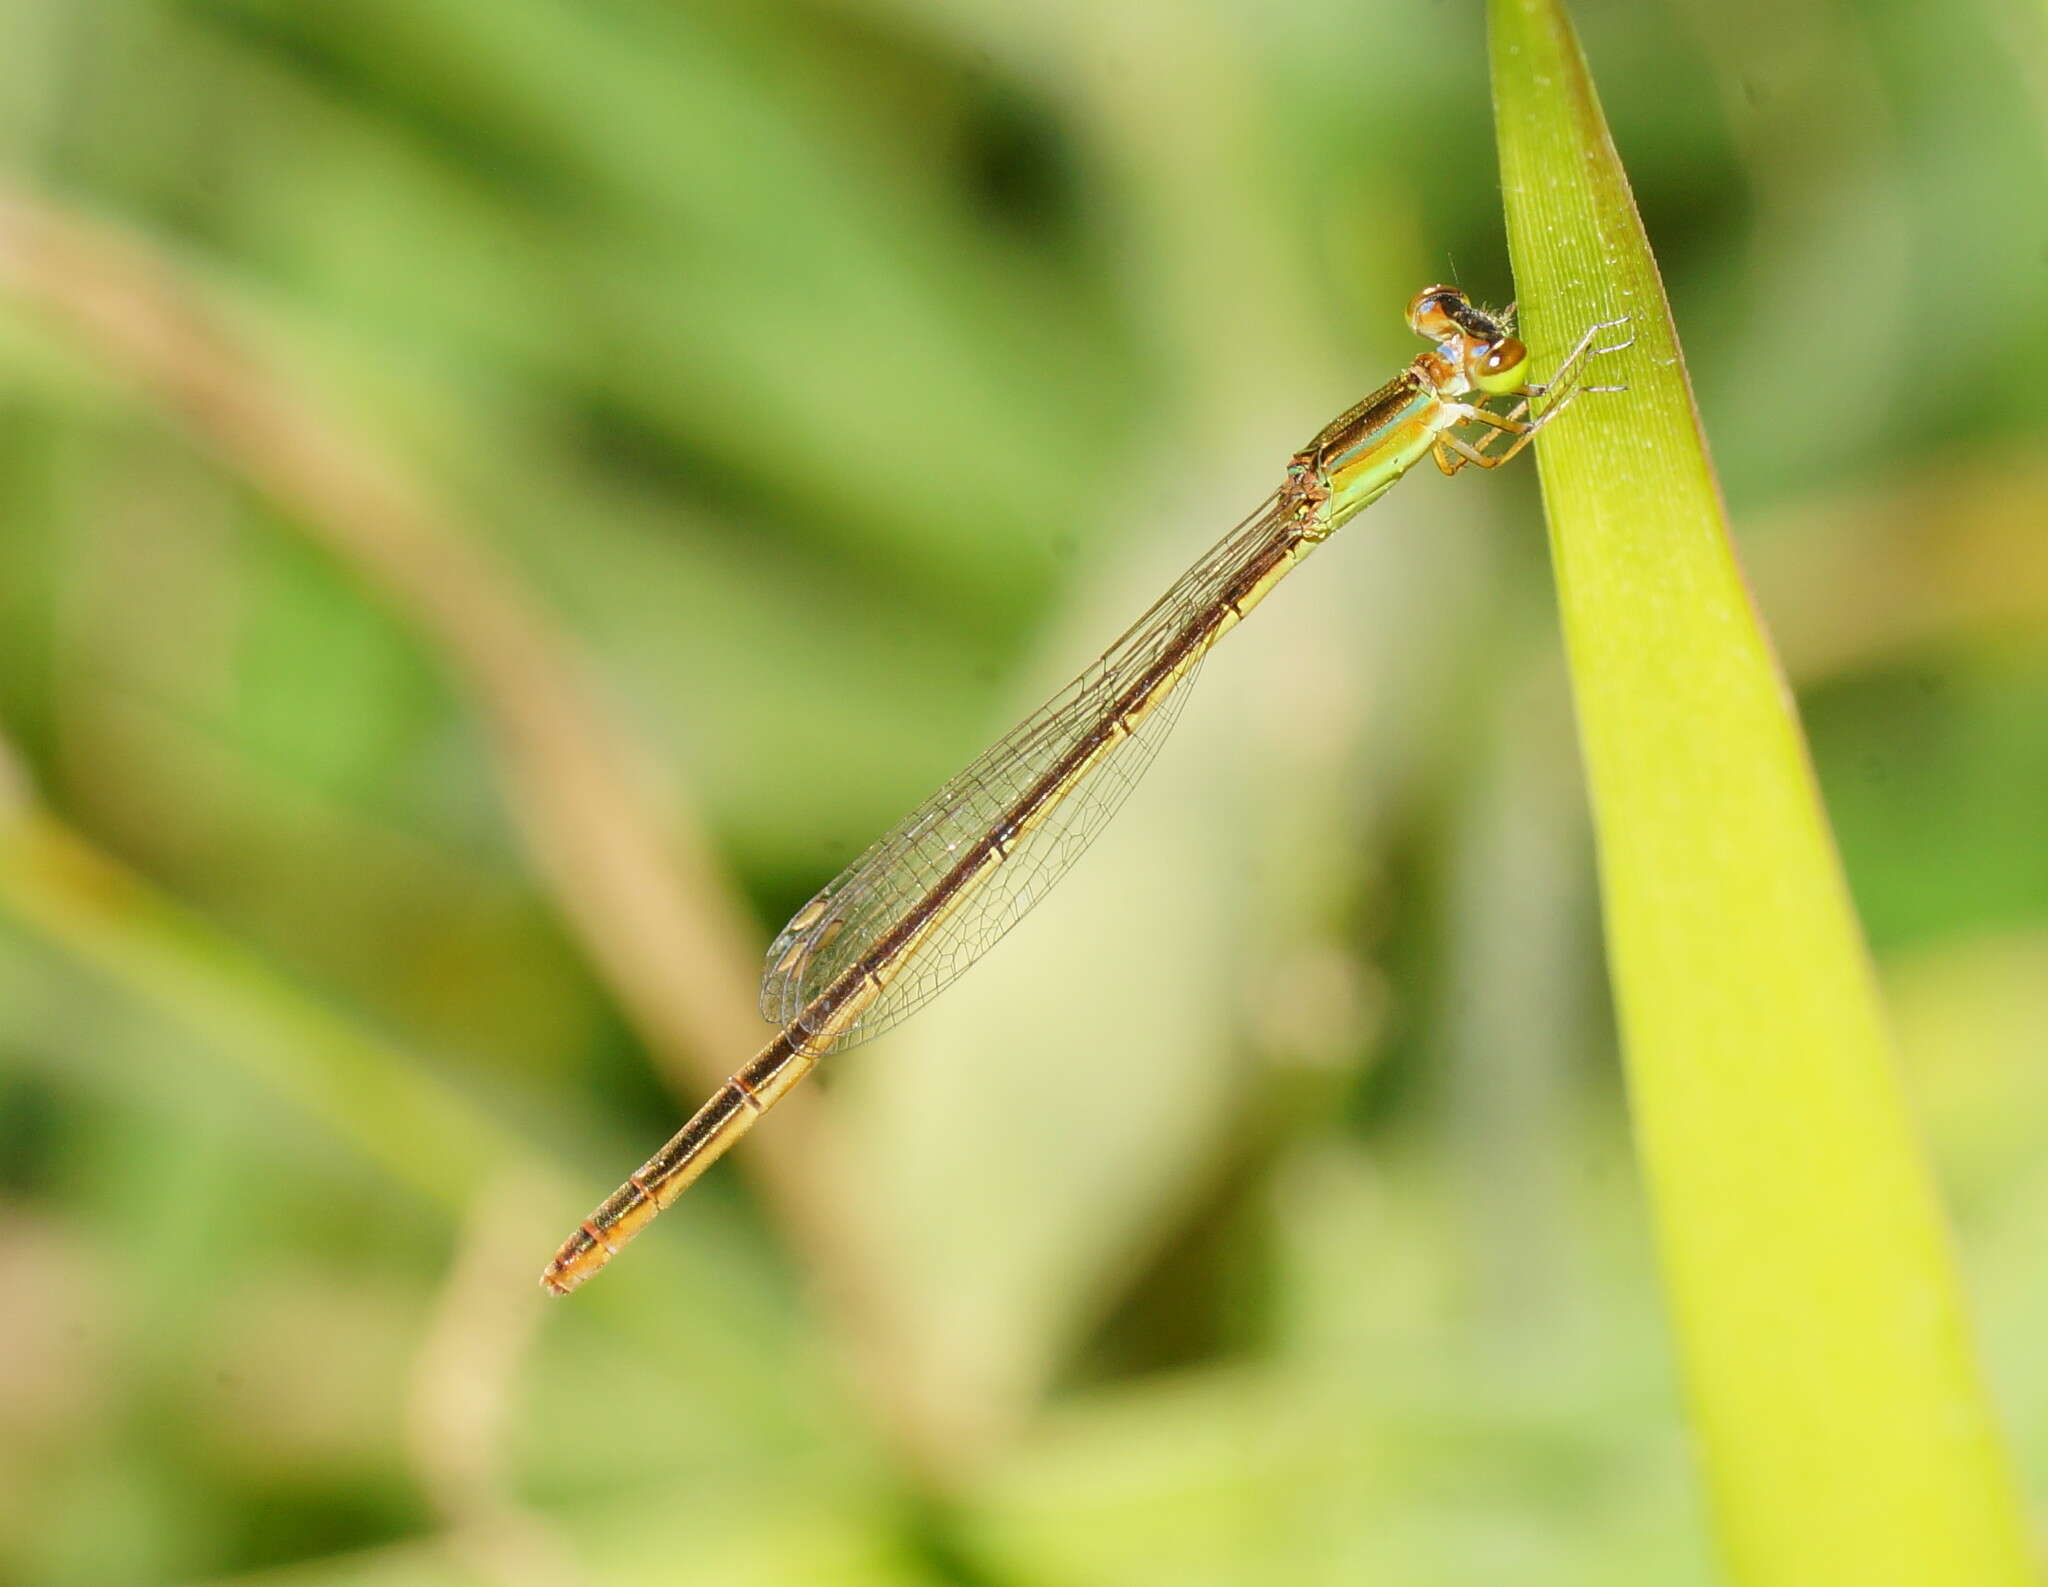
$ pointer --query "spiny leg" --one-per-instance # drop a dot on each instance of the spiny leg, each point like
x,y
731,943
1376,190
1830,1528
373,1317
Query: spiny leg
x,y
1510,423
1583,348
1448,450
1515,421
1562,388
1453,452
1523,432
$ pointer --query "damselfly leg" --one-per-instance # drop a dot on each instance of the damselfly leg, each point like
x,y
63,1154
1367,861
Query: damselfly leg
x,y
1453,452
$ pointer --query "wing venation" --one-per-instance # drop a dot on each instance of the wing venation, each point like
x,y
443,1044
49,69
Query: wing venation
x,y
842,926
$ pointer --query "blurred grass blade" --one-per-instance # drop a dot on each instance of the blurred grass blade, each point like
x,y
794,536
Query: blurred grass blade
x,y
1840,1418
413,1127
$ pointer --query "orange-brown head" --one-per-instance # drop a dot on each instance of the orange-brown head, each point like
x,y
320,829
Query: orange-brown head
x,y
1480,344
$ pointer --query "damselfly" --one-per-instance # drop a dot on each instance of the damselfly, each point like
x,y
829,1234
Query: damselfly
x,y
935,894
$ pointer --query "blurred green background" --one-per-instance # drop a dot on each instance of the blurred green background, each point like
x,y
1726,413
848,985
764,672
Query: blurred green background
x,y
446,445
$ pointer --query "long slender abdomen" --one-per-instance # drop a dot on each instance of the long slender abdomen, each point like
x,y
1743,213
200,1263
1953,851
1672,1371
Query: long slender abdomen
x,y
656,1183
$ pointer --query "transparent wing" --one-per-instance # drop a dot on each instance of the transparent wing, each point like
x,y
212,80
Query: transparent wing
x,y
844,924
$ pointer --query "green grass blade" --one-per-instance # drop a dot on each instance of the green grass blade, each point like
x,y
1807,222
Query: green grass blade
x,y
1840,1418
413,1127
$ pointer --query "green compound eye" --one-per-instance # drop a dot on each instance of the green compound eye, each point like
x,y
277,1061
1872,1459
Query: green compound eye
x,y
1498,369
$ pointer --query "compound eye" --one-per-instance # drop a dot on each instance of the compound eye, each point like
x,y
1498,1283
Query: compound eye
x,y
1432,313
1498,367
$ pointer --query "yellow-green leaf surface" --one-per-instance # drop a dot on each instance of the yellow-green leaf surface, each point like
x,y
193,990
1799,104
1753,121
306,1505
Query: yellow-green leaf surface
x,y
1839,1416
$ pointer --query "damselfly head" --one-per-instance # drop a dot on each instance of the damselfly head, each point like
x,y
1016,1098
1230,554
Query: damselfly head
x,y
1476,342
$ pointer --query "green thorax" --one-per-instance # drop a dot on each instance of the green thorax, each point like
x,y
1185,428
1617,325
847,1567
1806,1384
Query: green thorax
x,y
1360,454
